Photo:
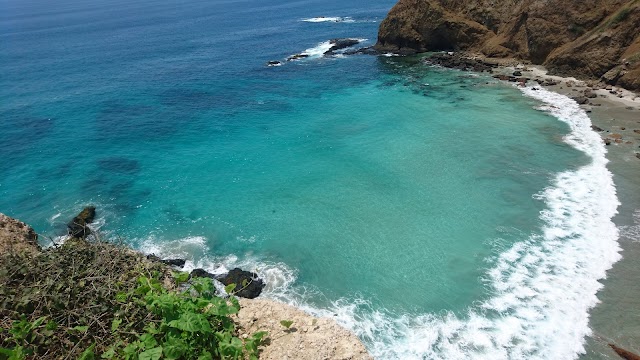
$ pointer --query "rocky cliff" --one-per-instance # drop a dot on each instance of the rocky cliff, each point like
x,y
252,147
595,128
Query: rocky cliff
x,y
587,39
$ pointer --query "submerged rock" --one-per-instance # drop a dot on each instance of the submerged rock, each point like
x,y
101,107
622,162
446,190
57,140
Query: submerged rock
x,y
297,57
78,227
274,63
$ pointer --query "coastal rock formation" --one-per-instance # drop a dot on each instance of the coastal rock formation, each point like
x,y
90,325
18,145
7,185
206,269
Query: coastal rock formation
x,y
308,338
248,284
625,354
17,237
171,262
596,39
78,227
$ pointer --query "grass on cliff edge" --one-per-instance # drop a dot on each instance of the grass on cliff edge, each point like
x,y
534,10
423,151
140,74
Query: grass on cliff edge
x,y
96,300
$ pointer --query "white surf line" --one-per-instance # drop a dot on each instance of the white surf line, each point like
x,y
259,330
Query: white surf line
x,y
335,19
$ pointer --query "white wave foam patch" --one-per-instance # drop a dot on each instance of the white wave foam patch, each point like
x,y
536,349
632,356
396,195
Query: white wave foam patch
x,y
543,287
278,276
318,50
335,19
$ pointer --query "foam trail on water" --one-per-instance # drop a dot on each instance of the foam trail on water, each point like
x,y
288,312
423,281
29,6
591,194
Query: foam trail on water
x,y
335,19
318,50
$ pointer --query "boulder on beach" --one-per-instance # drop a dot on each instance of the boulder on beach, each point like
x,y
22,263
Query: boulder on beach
x,y
582,100
78,227
625,354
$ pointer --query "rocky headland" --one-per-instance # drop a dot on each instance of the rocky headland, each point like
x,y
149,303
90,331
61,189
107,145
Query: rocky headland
x,y
593,39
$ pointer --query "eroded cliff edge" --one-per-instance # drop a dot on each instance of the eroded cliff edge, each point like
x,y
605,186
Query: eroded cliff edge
x,y
594,39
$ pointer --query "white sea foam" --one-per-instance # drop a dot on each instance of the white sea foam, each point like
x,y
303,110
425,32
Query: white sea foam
x,y
335,19
318,50
542,287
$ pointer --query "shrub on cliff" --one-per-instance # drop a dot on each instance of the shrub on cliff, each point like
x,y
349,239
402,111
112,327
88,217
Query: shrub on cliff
x,y
90,300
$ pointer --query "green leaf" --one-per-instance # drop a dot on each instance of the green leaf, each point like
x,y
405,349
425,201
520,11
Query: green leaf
x,y
115,324
81,329
109,354
174,348
180,277
88,354
151,354
121,297
148,341
286,323
205,356
191,322
229,288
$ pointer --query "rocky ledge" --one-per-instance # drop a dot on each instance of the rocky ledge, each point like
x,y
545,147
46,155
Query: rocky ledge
x,y
306,338
594,39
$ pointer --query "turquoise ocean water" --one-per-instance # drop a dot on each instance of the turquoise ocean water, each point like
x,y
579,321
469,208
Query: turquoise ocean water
x,y
435,213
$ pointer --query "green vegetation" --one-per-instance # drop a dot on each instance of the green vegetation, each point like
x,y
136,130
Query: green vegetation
x,y
97,300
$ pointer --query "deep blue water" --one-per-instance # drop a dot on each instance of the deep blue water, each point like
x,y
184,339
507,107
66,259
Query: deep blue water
x,y
370,187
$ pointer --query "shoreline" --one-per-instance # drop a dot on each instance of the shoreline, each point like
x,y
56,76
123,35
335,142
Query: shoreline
x,y
615,116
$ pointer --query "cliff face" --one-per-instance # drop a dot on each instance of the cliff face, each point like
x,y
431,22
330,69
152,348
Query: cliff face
x,y
589,38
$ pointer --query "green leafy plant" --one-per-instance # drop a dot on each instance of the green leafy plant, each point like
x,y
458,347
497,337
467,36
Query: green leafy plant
x,y
95,300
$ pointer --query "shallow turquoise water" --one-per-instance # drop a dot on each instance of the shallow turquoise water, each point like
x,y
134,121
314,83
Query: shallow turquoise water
x,y
351,180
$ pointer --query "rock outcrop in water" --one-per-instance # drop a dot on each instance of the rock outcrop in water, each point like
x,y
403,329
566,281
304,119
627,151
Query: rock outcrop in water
x,y
587,39
78,227
248,284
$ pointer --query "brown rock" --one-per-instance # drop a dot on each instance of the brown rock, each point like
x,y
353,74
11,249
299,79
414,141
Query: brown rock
x,y
622,352
308,338
78,227
17,237
616,136
607,141
594,39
